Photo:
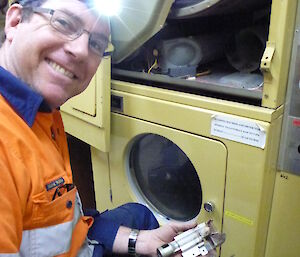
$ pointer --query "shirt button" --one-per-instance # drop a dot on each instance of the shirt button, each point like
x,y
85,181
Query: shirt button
x,y
69,204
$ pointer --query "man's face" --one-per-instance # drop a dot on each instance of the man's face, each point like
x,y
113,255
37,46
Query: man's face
x,y
53,66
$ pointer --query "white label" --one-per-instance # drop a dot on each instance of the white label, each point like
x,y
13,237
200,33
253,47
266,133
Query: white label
x,y
249,133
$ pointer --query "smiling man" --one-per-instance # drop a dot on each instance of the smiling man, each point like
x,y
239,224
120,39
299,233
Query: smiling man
x,y
51,51
54,60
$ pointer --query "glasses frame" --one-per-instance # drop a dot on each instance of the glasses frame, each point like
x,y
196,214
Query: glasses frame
x,y
71,36
58,193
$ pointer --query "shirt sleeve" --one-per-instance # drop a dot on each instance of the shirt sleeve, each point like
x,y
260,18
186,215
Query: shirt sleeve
x,y
12,206
103,230
106,224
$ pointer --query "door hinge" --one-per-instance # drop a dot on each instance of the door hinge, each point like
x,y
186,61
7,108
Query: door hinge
x,y
267,57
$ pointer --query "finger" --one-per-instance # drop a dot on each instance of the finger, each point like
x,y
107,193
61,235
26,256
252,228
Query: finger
x,y
182,226
212,253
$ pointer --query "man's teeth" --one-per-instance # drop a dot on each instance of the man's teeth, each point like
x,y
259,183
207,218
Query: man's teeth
x,y
61,70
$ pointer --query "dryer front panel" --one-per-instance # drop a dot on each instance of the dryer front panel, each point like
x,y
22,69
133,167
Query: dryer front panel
x,y
179,175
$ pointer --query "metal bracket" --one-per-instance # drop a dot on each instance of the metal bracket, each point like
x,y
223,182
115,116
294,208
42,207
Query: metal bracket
x,y
197,250
198,241
267,57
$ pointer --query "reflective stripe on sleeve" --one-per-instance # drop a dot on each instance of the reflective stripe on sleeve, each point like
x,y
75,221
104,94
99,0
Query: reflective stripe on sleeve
x,y
46,242
9,255
54,240
50,241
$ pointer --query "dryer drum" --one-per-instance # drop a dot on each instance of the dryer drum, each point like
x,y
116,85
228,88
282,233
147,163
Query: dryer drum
x,y
245,48
165,178
193,8
178,53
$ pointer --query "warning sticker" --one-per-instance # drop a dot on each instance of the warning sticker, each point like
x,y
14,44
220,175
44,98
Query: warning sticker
x,y
238,130
296,122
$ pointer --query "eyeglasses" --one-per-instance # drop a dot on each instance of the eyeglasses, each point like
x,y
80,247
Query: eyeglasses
x,y
70,27
59,190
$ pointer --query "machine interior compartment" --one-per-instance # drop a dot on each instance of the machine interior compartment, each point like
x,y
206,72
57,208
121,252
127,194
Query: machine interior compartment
x,y
211,53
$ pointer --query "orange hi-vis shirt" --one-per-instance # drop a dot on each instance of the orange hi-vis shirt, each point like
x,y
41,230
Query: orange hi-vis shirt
x,y
34,164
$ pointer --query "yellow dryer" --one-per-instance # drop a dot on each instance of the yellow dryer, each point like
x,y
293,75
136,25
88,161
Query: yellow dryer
x,y
189,150
171,170
167,152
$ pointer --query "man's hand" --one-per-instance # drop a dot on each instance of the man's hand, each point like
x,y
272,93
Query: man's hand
x,y
149,240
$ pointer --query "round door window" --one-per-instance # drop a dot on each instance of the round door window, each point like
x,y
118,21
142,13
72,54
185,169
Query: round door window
x,y
165,177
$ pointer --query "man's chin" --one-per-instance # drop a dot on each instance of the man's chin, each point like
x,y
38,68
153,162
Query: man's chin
x,y
55,101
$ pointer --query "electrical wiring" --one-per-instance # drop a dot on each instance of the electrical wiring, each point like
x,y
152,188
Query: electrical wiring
x,y
153,65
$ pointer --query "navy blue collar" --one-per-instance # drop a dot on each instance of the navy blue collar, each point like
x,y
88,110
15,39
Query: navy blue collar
x,y
25,101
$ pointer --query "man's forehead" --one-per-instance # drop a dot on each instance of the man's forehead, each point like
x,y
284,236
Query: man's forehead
x,y
71,5
90,5
80,9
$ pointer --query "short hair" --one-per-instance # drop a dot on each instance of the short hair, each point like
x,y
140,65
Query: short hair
x,y
37,3
33,3
28,3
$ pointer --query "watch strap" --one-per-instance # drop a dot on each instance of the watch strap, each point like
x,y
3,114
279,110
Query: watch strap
x,y
132,241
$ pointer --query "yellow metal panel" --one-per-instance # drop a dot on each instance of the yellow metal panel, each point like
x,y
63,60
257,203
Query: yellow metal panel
x,y
284,231
85,126
243,110
249,188
283,15
94,105
250,170
101,172
85,102
198,149
87,132
184,117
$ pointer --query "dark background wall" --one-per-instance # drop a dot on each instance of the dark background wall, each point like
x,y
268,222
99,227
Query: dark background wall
x,y
80,157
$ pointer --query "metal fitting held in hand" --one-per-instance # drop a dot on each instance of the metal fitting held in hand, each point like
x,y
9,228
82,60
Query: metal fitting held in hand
x,y
194,242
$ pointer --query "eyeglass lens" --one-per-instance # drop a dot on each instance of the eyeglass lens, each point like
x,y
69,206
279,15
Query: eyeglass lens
x,y
71,28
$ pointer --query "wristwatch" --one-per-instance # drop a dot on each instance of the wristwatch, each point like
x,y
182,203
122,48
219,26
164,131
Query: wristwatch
x,y
132,241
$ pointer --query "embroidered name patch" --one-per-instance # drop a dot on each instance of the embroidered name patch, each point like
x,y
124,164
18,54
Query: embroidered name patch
x,y
55,183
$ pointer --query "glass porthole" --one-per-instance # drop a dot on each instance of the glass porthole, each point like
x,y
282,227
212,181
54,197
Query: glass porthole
x,y
164,177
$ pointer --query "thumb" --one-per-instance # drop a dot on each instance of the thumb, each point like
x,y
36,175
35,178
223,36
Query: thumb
x,y
182,226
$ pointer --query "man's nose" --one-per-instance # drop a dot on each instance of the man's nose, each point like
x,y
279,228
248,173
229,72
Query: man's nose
x,y
79,47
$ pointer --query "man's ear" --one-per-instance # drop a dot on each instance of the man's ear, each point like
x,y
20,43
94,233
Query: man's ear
x,y
13,19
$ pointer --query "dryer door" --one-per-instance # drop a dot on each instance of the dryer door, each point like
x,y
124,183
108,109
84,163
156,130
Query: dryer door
x,y
135,24
180,176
